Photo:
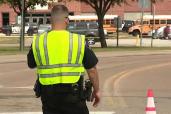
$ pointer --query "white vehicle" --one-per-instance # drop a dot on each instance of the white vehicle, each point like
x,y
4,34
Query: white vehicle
x,y
43,28
17,28
159,33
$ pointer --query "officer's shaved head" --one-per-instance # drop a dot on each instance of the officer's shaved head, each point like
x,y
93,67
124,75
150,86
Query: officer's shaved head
x,y
59,13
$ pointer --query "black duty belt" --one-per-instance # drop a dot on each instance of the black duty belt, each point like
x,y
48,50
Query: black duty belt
x,y
61,87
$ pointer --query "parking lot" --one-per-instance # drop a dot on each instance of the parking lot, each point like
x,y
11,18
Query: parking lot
x,y
124,40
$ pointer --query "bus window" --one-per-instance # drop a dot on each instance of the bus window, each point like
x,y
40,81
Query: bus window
x,y
40,20
112,22
168,21
145,22
108,21
151,21
48,15
156,21
93,25
71,20
48,21
27,20
77,21
88,20
162,21
81,26
34,20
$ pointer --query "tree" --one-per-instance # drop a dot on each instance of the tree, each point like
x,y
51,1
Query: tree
x,y
101,7
17,6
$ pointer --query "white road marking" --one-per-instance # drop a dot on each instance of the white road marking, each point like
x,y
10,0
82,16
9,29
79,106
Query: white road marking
x,y
24,87
100,112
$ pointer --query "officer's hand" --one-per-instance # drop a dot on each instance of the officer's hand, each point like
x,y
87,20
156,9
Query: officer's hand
x,y
95,98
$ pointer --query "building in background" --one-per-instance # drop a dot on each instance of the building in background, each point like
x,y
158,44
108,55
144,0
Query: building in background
x,y
41,15
7,15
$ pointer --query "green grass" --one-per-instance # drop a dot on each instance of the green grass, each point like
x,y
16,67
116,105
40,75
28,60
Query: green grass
x,y
12,50
9,40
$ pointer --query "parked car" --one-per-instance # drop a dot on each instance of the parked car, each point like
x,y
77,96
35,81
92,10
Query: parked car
x,y
30,28
43,28
161,33
127,24
167,32
158,33
89,29
6,30
16,28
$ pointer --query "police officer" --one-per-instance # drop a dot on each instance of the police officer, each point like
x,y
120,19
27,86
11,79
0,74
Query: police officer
x,y
61,58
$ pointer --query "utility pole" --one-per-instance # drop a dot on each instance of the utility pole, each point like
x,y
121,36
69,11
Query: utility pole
x,y
22,26
142,18
143,4
153,26
117,32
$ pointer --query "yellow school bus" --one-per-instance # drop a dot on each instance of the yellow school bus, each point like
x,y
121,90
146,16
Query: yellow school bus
x,y
159,21
108,22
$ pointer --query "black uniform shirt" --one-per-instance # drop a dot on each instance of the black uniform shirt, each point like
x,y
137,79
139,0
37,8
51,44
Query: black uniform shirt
x,y
89,61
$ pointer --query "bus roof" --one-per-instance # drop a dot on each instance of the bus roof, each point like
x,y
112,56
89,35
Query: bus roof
x,y
157,17
80,17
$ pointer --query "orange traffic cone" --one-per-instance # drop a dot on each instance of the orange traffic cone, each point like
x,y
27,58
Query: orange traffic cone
x,y
150,109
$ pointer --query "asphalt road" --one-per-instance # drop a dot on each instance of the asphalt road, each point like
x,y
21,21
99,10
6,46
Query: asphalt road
x,y
124,80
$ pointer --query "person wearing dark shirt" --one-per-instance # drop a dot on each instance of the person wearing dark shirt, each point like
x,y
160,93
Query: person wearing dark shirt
x,y
89,61
63,98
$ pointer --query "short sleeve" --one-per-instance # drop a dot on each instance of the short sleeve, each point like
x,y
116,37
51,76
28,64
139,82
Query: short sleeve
x,y
30,59
90,60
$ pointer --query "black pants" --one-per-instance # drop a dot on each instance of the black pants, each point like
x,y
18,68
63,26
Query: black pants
x,y
55,102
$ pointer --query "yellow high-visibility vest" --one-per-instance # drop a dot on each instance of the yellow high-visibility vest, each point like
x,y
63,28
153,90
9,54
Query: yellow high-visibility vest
x,y
59,56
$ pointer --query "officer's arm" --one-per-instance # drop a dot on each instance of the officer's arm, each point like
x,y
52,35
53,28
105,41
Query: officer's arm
x,y
94,78
30,59
90,61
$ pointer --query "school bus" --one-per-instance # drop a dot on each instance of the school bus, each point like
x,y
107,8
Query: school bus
x,y
108,22
159,21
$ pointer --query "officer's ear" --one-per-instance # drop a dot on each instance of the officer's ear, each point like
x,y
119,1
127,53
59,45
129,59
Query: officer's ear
x,y
67,20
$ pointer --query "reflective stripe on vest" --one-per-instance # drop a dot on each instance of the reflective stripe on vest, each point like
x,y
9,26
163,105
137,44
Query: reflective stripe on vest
x,y
59,62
